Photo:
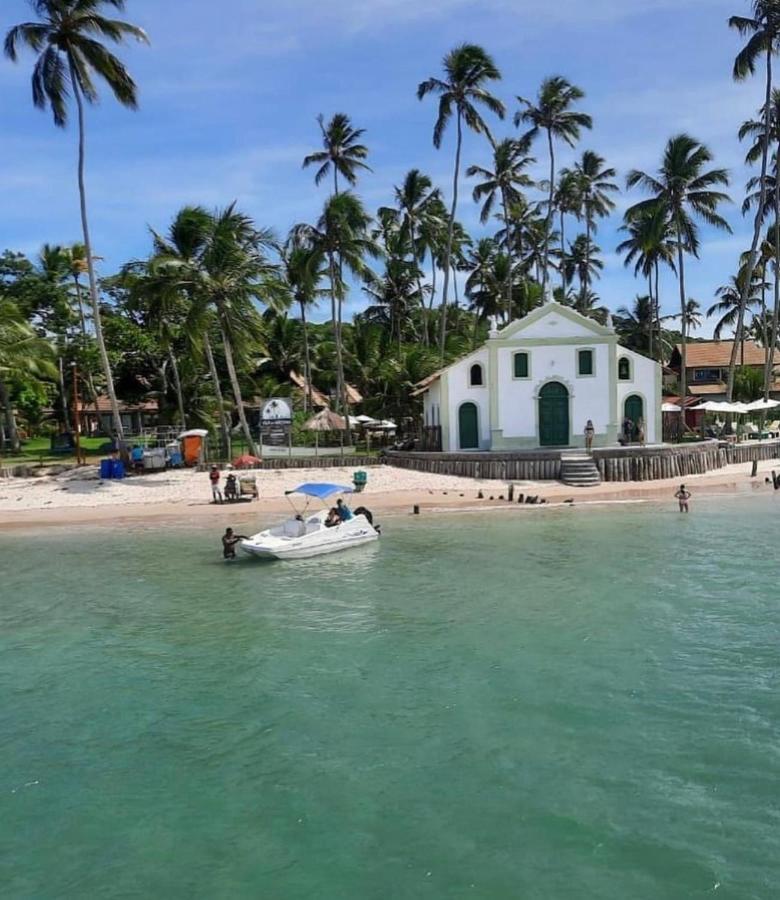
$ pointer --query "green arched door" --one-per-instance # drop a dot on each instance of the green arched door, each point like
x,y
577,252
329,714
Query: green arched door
x,y
634,410
468,427
554,415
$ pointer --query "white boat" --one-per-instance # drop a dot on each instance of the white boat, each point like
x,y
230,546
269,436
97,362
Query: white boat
x,y
305,535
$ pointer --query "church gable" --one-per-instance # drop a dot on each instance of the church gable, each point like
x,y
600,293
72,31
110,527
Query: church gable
x,y
553,321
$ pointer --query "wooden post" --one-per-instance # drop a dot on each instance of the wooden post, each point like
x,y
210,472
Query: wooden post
x,y
754,470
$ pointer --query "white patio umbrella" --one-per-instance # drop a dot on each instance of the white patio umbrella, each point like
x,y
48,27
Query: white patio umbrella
x,y
762,405
364,420
670,408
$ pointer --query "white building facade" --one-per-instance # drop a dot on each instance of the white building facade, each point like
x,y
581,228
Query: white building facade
x,y
538,381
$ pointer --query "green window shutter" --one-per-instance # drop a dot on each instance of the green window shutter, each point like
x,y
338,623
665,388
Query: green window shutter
x,y
586,362
521,365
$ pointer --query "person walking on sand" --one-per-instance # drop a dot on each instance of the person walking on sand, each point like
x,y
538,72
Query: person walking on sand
x,y
683,496
589,433
216,493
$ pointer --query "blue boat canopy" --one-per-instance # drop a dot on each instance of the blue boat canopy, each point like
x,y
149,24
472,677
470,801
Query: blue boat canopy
x,y
322,491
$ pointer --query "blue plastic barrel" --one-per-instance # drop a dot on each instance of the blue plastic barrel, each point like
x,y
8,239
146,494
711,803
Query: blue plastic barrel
x,y
117,468
105,468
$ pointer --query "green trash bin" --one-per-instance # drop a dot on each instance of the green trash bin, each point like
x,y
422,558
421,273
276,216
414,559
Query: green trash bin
x,y
359,481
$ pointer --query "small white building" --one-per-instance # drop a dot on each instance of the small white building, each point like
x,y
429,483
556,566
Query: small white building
x,y
538,381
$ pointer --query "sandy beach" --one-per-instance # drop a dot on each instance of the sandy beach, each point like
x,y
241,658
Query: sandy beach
x,y
80,497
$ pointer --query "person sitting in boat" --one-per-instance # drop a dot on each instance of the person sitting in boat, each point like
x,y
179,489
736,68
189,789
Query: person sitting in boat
x,y
333,518
229,541
343,511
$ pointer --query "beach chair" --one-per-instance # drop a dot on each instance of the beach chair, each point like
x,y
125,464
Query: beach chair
x,y
247,487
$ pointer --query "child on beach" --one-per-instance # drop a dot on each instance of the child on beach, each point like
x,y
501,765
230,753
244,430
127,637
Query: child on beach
x,y
683,497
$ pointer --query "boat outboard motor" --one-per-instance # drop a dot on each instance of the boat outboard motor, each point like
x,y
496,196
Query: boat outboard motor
x,y
362,511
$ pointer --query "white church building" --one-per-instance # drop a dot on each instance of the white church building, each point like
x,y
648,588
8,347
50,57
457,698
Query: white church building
x,y
538,381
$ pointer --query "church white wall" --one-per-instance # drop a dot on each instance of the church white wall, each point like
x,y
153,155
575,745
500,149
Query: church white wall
x,y
459,391
645,382
518,398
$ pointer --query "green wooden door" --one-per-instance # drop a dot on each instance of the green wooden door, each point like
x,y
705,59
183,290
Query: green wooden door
x,y
634,410
468,427
554,415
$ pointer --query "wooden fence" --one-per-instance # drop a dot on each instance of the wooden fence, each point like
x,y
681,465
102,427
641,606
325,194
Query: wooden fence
x,y
543,465
614,464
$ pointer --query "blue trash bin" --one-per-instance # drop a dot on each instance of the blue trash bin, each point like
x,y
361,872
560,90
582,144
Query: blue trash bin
x,y
105,468
117,468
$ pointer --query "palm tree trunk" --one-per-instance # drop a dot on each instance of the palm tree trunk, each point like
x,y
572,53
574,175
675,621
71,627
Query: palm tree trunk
x,y
93,288
683,331
548,228
563,256
450,231
177,386
10,418
588,228
341,393
752,258
63,396
236,388
80,304
658,310
223,423
509,256
651,317
770,363
306,359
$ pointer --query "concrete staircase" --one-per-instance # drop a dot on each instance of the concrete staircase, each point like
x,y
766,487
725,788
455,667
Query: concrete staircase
x,y
579,470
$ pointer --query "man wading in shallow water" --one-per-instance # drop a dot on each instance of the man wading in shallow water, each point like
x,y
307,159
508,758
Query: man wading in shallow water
x,y
683,497
229,541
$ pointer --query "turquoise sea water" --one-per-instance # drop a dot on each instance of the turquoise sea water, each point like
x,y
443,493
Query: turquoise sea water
x,y
551,704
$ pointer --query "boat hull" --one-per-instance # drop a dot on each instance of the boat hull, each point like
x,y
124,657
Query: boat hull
x,y
354,533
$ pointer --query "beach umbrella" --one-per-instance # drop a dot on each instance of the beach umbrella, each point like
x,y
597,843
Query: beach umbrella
x,y
325,420
763,405
246,461
365,420
670,408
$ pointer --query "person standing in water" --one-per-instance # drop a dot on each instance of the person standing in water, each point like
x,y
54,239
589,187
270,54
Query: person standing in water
x,y
589,433
229,541
683,496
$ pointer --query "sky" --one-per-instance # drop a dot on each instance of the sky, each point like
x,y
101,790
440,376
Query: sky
x,y
230,92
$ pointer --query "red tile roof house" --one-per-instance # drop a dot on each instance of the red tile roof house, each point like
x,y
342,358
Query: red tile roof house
x,y
707,366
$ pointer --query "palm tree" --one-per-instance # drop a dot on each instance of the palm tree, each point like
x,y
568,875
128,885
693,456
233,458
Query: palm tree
x,y
567,201
581,261
594,188
467,69
763,32
235,273
770,185
342,151
178,258
552,113
340,235
649,244
22,353
510,158
418,216
636,326
683,192
69,59
302,268
731,305
691,316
